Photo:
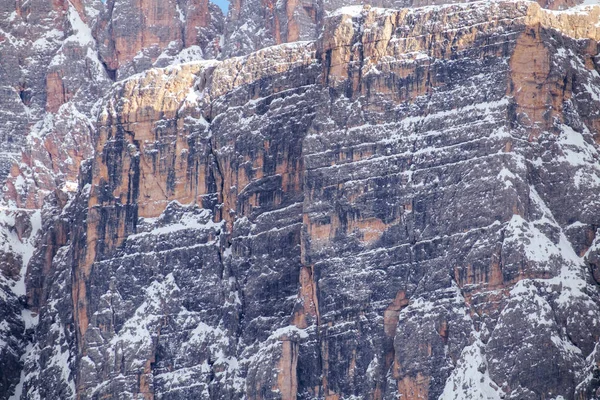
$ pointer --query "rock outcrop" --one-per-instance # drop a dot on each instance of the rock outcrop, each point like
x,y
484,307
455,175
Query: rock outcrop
x,y
254,24
138,34
55,69
64,60
404,207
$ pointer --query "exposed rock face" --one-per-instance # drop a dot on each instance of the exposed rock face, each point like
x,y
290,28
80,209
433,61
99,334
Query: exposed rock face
x,y
64,60
30,34
217,169
17,239
59,135
135,35
405,207
55,68
254,24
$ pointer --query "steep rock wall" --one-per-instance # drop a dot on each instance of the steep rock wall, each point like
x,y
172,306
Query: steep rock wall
x,y
405,207
255,24
55,69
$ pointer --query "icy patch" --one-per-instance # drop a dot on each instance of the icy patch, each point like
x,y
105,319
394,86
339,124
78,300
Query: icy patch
x,y
30,318
507,177
189,54
69,186
565,346
289,331
352,11
357,10
48,41
188,221
180,13
594,91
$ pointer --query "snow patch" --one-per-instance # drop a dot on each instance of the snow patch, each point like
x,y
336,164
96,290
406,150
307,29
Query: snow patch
x,y
470,380
82,33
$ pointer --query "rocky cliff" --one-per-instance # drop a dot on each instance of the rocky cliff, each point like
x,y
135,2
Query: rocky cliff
x,y
61,58
404,207
254,24
57,61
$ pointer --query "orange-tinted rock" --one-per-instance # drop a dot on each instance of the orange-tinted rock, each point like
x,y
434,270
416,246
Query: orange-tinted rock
x,y
135,34
392,312
414,388
287,378
307,313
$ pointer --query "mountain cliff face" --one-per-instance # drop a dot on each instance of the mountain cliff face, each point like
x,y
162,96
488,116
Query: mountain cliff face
x,y
61,58
404,207
254,24
57,61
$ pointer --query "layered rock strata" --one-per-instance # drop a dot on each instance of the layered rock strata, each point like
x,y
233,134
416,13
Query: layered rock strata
x,y
254,24
60,59
404,207
56,65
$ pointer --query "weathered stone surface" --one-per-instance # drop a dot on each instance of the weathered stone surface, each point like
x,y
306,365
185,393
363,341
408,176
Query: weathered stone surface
x,y
135,35
54,72
406,206
51,358
255,24
58,142
96,45
18,230
172,153
30,32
